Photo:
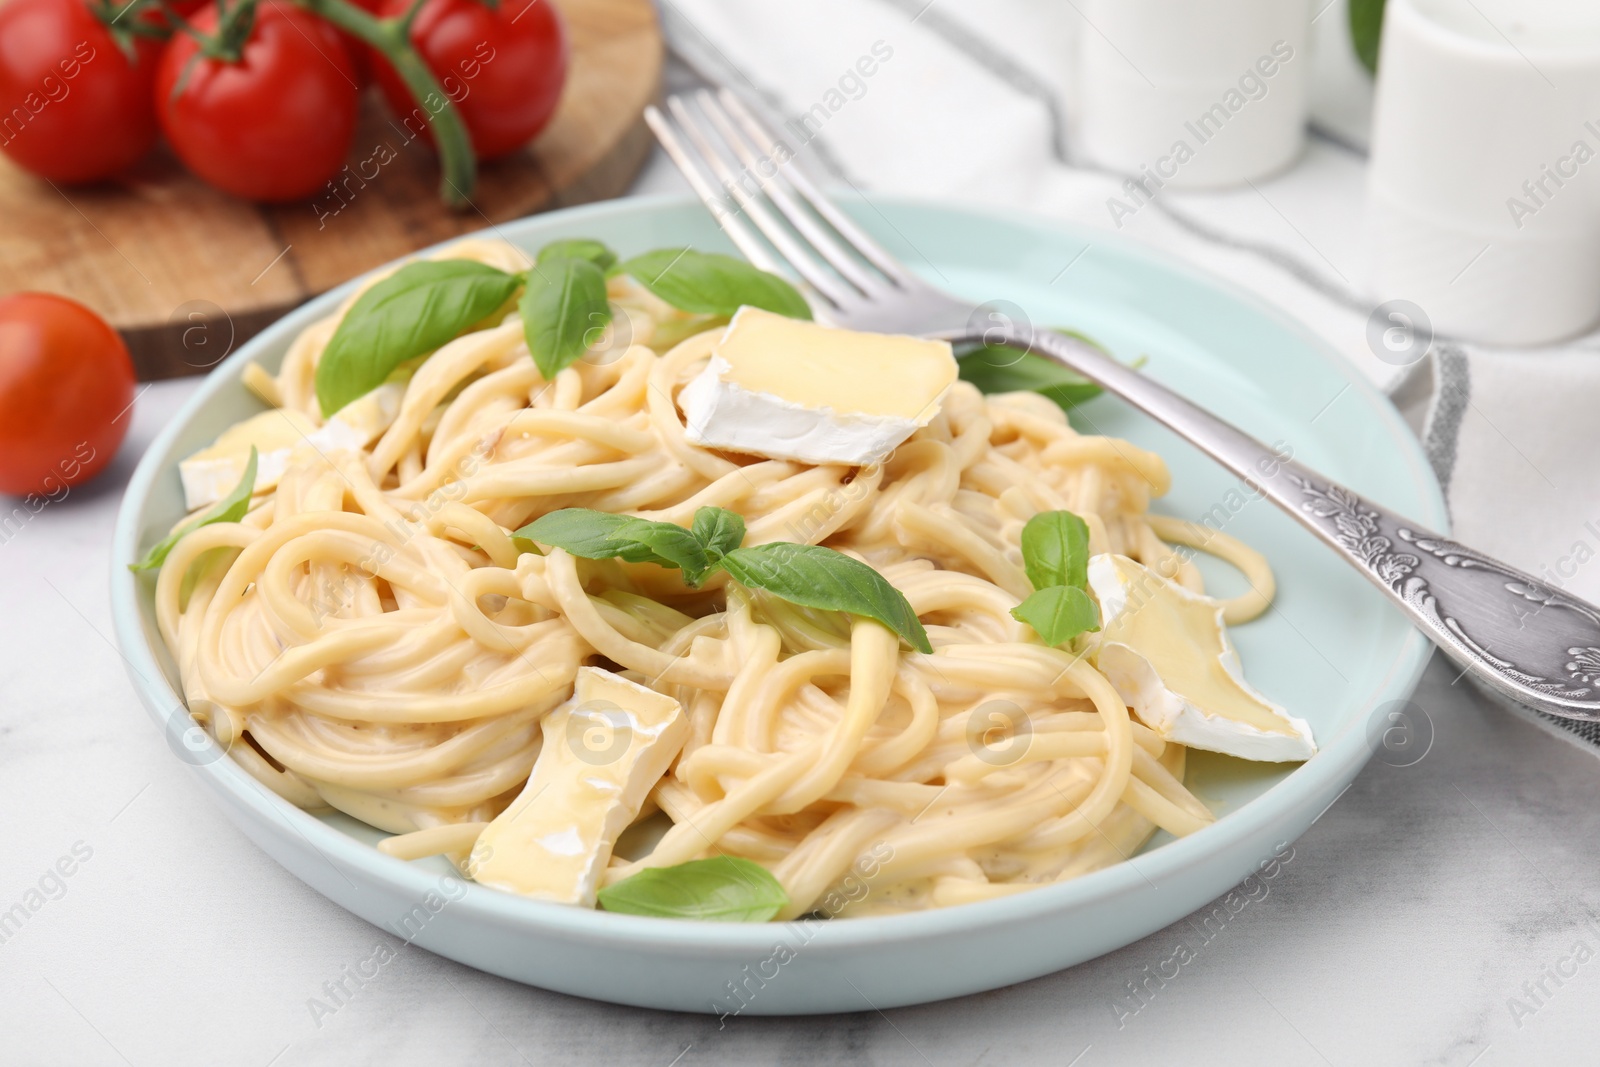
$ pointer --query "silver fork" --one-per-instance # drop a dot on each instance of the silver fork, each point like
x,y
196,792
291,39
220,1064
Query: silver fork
x,y
1523,638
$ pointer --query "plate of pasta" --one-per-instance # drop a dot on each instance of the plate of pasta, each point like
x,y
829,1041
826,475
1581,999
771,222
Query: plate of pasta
x,y
569,602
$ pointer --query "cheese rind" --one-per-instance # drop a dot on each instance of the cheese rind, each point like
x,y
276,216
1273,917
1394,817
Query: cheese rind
x,y
555,840
1167,653
795,390
211,473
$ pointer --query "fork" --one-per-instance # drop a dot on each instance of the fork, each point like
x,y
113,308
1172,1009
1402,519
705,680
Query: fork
x,y
1521,637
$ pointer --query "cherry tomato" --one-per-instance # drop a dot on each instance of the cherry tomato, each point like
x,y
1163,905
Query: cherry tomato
x,y
503,66
275,125
65,386
359,56
73,107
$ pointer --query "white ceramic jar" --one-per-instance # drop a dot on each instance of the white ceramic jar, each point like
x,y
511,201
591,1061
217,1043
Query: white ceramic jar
x,y
1196,93
1484,188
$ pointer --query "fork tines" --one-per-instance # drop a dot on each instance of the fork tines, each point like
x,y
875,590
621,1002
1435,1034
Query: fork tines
x,y
742,171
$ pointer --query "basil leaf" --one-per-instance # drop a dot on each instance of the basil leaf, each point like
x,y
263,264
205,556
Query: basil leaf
x,y
581,531
564,311
230,508
710,284
665,544
413,311
719,530
1055,553
1058,613
809,575
600,535
998,369
720,889
817,577
1055,550
1015,372
585,248
1366,31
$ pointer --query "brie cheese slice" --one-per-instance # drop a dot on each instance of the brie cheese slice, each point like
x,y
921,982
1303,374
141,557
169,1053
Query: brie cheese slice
x,y
790,389
211,473
602,753
363,420
1166,652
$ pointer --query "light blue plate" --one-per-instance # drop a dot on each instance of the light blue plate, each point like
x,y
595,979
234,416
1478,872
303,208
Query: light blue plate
x,y
1332,650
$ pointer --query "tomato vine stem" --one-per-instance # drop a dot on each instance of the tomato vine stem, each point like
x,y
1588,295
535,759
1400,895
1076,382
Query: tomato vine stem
x,y
409,16
392,37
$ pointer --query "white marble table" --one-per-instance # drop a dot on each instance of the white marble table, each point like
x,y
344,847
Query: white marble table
x,y
1438,913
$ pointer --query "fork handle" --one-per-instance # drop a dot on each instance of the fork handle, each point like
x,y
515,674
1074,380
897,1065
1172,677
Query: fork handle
x,y
1527,640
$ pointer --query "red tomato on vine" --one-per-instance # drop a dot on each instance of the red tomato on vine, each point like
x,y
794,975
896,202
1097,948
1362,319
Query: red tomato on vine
x,y
503,67
265,108
74,98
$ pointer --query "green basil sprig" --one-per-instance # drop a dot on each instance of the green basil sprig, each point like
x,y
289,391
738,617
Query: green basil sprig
x,y
1055,554
809,575
410,313
579,248
1055,550
602,535
564,310
998,369
230,508
1058,613
817,577
719,530
706,283
720,889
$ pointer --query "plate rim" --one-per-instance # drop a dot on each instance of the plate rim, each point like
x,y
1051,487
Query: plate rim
x,y
1335,764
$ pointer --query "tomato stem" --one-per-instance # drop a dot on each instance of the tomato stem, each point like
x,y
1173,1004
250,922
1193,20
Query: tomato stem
x,y
392,37
123,34
235,21
409,17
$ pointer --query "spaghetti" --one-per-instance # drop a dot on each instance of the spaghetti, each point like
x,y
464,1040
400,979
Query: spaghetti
x,y
371,638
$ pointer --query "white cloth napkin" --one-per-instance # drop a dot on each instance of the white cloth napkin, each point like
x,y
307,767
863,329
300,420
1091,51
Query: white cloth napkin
x,y
973,100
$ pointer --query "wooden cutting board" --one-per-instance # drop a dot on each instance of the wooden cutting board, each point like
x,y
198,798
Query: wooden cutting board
x,y
187,273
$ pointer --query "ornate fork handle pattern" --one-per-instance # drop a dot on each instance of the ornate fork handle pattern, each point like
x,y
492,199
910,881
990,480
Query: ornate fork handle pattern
x,y
1485,608
1522,636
